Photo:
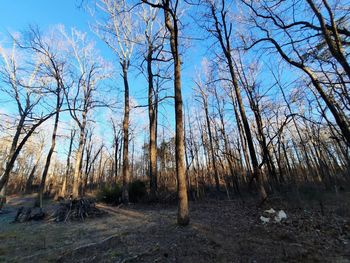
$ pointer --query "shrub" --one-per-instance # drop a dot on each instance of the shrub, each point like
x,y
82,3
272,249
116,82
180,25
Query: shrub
x,y
137,191
113,194
110,194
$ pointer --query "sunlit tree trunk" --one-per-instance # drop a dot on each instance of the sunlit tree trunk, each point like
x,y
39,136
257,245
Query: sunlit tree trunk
x,y
171,22
126,166
68,168
152,115
79,158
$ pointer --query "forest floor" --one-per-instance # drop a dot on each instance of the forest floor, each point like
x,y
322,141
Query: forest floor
x,y
220,231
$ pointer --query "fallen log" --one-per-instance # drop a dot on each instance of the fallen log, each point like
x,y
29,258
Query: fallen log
x,y
26,214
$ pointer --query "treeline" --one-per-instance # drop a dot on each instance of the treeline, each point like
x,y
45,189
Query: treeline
x,y
269,107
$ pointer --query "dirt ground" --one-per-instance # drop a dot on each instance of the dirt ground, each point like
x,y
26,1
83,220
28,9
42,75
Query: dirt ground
x,y
220,231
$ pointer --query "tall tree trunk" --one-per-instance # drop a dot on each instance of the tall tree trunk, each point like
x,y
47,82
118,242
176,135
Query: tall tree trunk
x,y
223,36
242,137
171,23
126,168
11,156
79,157
116,149
152,114
52,148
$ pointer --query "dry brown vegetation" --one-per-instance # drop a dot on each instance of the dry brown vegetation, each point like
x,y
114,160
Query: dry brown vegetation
x,y
221,231
263,122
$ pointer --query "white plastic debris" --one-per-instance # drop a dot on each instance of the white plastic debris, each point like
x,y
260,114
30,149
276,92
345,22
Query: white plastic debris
x,y
280,216
264,220
270,211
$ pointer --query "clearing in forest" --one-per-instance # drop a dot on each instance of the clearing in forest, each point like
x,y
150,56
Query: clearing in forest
x,y
220,231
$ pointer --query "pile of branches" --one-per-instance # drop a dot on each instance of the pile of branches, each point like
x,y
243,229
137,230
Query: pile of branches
x,y
76,209
25,214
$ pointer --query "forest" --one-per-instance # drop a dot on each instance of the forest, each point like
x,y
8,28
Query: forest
x,y
175,131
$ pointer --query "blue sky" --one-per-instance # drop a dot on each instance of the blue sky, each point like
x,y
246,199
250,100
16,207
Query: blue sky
x,y
17,15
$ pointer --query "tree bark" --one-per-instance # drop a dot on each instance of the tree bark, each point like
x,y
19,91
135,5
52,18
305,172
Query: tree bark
x,y
152,114
52,148
65,179
171,23
79,157
126,168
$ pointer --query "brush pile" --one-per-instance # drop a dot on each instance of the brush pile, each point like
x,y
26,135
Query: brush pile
x,y
76,209
65,210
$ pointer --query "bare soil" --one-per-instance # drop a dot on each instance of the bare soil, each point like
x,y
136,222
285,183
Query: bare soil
x,y
220,231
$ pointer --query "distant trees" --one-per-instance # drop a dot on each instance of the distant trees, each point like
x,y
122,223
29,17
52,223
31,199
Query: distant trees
x,y
221,28
312,45
63,190
269,108
65,68
203,94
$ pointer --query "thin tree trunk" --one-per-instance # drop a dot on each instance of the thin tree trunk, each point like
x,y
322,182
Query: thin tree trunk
x,y
126,168
29,183
152,114
65,179
216,175
223,37
52,148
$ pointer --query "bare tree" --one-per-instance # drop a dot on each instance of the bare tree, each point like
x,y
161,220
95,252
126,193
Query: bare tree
x,y
221,28
171,21
52,71
21,87
87,70
203,91
298,49
118,31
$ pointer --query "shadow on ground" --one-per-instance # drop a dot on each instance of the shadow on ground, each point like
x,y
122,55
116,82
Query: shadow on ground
x,y
223,231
